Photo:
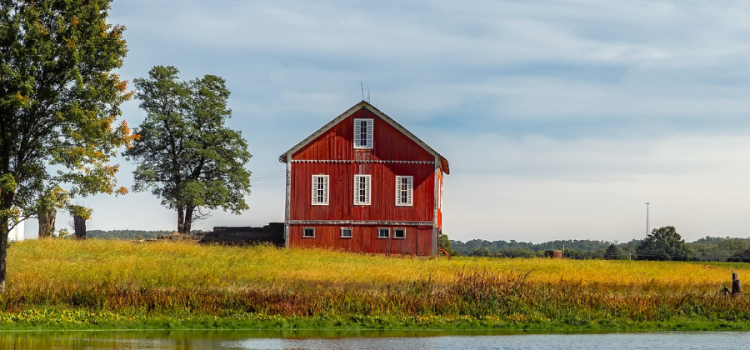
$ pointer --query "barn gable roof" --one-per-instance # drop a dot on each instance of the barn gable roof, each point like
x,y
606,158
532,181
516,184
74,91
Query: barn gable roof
x,y
364,104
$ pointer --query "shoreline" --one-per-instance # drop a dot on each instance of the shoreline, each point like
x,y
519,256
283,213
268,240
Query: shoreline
x,y
358,324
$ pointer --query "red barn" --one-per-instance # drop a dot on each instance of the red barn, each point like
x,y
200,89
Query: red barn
x,y
364,183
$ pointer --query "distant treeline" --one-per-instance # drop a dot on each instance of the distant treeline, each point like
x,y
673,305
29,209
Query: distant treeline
x,y
125,234
704,249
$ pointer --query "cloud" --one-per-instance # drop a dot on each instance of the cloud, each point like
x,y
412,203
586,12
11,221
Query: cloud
x,y
543,189
560,117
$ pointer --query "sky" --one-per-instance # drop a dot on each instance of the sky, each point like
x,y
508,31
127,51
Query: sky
x,y
560,119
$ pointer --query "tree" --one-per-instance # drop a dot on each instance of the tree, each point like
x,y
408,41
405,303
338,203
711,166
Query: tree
x,y
615,253
58,104
185,154
664,244
482,251
445,243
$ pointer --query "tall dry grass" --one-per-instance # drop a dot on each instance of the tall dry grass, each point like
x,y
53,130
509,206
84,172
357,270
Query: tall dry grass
x,y
189,279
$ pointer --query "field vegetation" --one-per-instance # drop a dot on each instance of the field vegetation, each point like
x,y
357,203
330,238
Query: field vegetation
x,y
118,284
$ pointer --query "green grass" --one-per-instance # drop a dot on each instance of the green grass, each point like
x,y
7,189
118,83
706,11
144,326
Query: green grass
x,y
97,284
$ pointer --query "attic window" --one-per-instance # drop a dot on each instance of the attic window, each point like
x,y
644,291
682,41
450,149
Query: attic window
x,y
363,133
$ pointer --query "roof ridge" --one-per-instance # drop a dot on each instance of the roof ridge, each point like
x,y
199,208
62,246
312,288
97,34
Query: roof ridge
x,y
364,104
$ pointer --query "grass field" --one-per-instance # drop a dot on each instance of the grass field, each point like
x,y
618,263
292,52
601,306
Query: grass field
x,y
117,284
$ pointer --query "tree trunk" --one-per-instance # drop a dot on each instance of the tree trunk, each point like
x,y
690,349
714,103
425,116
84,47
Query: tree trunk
x,y
3,251
80,226
180,219
47,223
6,202
189,209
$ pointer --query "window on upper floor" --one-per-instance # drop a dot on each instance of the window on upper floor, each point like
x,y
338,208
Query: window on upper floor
x,y
363,133
404,189
319,190
362,186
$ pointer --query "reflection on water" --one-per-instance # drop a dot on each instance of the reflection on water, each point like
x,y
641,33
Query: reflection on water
x,y
329,340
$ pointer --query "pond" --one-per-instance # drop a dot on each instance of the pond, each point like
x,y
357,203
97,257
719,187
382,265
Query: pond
x,y
370,340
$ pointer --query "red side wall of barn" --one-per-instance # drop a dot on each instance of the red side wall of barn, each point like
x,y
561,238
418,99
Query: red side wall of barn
x,y
418,240
389,144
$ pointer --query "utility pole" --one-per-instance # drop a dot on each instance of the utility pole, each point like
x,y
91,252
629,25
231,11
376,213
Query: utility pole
x,y
647,222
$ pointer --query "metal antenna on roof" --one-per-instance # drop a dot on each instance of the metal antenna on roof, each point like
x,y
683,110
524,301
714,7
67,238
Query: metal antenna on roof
x,y
362,86
368,95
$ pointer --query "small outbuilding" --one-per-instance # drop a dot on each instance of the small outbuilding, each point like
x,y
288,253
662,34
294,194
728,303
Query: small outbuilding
x,y
16,234
364,183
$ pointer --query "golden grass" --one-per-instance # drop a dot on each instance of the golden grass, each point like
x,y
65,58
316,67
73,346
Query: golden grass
x,y
183,278
184,264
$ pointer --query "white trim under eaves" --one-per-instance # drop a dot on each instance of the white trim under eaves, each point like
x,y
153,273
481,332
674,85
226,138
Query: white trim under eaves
x,y
381,115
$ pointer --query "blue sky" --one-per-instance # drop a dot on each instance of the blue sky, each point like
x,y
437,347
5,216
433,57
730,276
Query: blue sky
x,y
560,118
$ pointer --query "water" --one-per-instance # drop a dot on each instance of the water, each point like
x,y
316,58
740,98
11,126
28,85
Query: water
x,y
225,340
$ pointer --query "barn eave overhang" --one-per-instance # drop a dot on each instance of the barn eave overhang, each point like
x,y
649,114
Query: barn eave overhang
x,y
444,166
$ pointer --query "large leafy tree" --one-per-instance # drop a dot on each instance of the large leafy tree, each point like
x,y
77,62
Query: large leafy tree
x,y
59,101
664,244
186,155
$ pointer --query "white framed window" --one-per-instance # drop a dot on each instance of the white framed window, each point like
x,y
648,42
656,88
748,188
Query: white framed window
x,y
319,190
346,232
404,189
399,233
308,232
384,232
362,186
363,133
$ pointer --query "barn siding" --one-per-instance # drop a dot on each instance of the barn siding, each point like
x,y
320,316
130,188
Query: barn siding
x,y
418,239
388,143
440,201
382,196
393,153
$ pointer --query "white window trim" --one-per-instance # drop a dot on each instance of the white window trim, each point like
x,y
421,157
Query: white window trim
x,y
399,228
440,194
314,188
308,228
410,191
368,189
341,231
357,133
384,228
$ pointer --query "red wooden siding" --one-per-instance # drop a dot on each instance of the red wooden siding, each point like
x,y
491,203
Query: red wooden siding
x,y
388,143
440,199
393,154
382,194
418,240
